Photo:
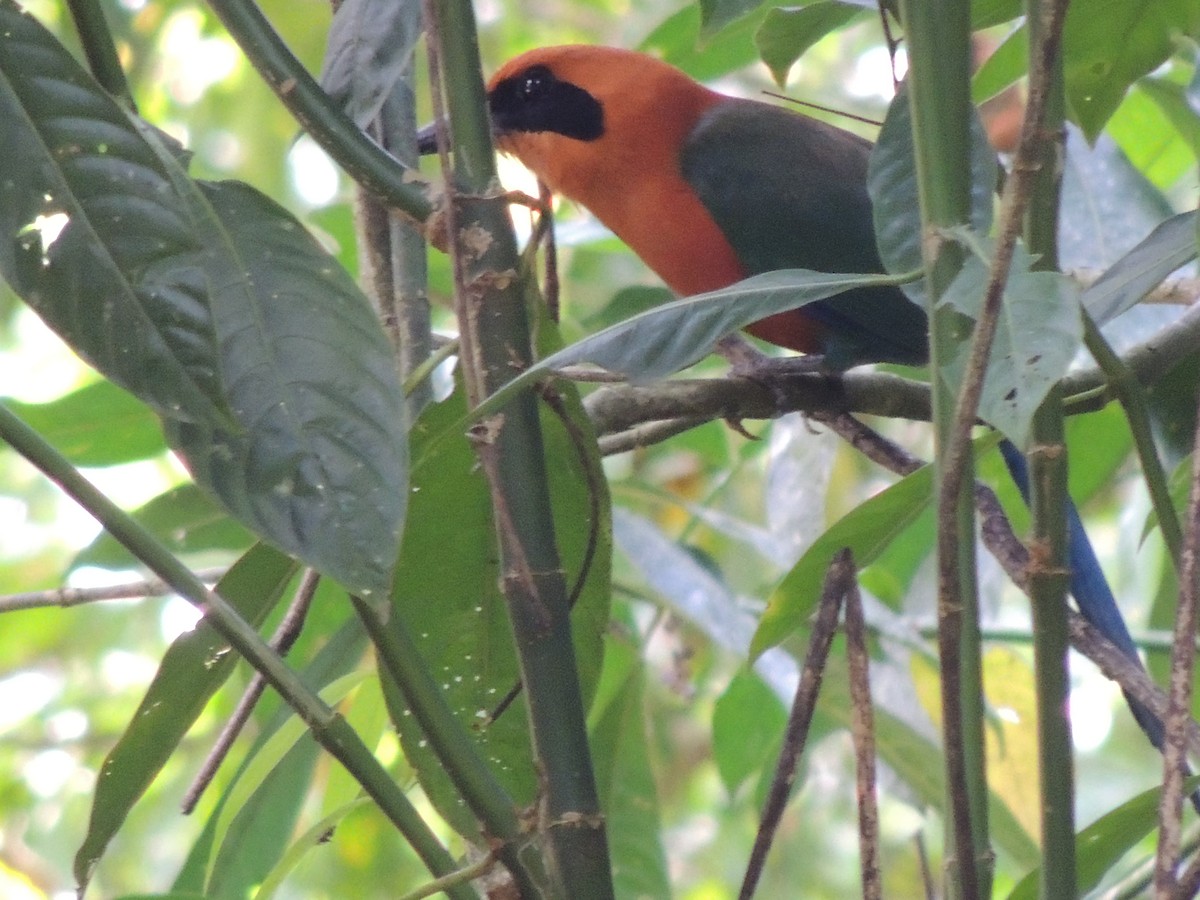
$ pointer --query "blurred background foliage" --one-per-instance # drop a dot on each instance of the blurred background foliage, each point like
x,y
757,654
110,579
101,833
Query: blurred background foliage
x,y
708,514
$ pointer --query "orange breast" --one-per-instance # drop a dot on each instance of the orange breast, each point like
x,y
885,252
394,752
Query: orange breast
x,y
630,177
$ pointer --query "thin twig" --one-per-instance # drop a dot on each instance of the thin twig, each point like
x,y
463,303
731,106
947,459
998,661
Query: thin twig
x,y
1003,544
72,596
1179,707
863,731
462,876
837,580
281,641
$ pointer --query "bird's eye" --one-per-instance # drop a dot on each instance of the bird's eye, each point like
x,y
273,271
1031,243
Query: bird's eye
x,y
534,83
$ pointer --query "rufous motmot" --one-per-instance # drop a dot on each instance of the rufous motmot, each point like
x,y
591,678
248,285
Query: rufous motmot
x,y
709,189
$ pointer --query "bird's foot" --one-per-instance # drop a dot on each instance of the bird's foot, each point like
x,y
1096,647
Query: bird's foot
x,y
769,372
745,361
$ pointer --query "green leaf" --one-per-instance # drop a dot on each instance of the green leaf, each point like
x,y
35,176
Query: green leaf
x,y
1101,845
748,721
1109,44
1039,333
194,667
677,41
1172,244
867,530
266,760
1177,102
369,47
1172,407
892,182
123,281
625,778
318,466
256,839
671,337
1003,68
716,14
97,425
787,32
460,623
1150,139
184,518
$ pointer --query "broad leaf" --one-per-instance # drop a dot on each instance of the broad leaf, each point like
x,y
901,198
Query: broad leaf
x,y
195,666
662,341
892,181
716,14
370,46
319,464
747,720
123,282
1039,333
1171,245
1003,68
624,777
1109,44
97,425
1101,845
867,530
185,519
787,32
448,595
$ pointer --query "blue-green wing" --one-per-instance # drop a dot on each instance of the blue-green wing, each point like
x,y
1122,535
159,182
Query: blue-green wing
x,y
788,191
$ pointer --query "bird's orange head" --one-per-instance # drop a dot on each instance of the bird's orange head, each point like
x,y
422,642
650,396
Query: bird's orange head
x,y
604,127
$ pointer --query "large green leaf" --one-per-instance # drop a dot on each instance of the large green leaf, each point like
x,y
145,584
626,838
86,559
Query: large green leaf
x,y
97,425
787,32
716,14
184,518
624,776
318,465
748,719
212,304
370,45
892,182
664,340
1039,333
1101,845
1109,44
191,671
1171,245
448,594
866,530
123,281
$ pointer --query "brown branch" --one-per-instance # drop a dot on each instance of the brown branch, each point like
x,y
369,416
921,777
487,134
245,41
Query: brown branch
x,y
1178,717
838,579
72,596
863,731
281,641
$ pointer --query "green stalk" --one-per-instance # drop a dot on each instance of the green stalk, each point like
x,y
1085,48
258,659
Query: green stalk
x,y
101,53
328,727
496,345
938,35
364,160
454,747
1132,397
1048,574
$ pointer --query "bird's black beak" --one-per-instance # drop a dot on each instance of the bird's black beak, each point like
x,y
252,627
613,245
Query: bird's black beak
x,y
427,139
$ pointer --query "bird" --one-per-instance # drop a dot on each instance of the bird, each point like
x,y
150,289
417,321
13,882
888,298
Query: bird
x,y
709,189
